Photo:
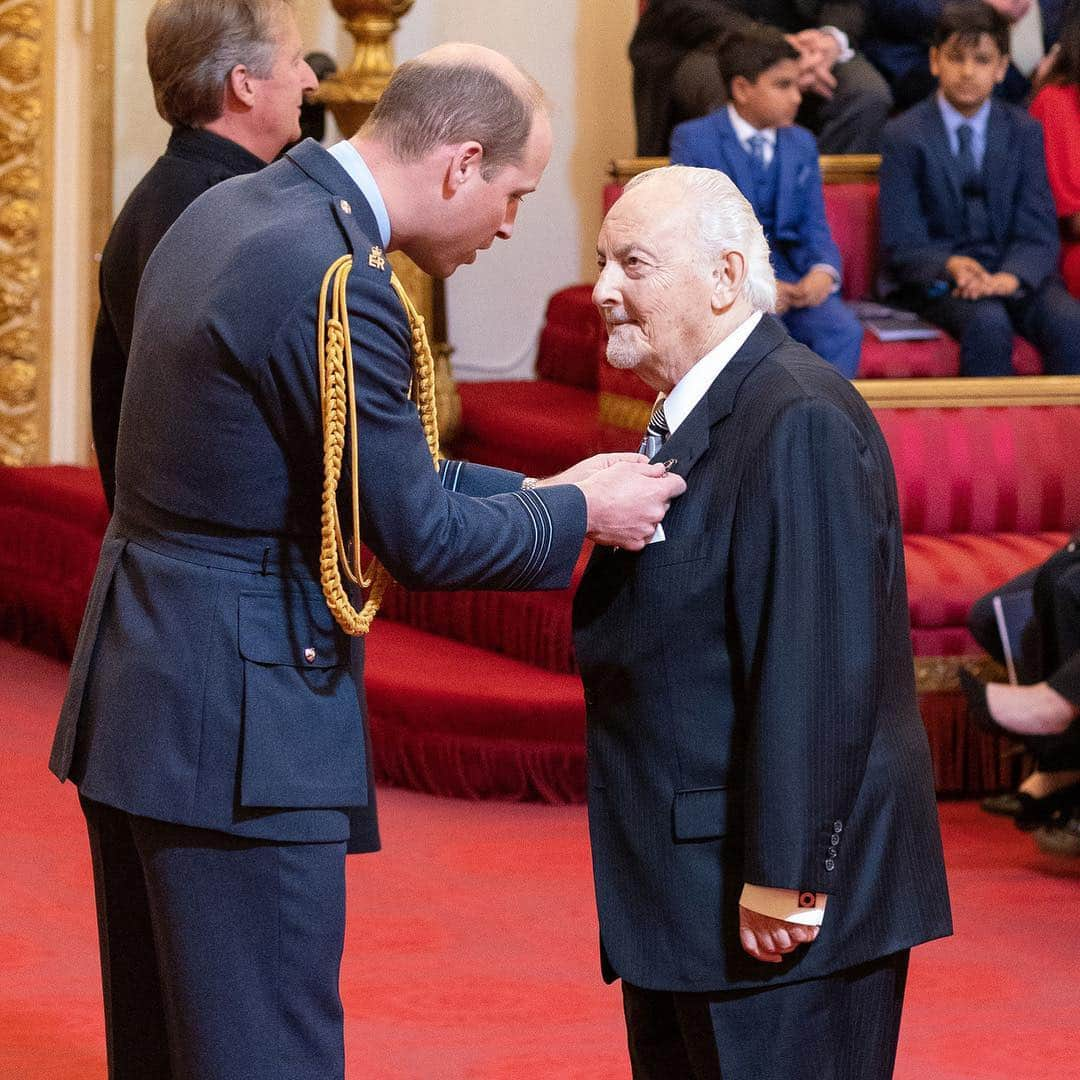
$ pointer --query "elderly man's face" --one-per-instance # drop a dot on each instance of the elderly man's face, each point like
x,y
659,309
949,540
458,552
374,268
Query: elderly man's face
x,y
655,287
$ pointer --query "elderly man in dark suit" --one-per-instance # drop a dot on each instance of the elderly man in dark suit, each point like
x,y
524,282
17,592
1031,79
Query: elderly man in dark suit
x,y
676,78
761,806
230,78
214,721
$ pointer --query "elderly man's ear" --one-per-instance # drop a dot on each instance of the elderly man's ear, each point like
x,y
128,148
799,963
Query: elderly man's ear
x,y
728,277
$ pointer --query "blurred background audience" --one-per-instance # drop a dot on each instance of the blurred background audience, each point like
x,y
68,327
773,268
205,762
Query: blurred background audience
x,y
676,77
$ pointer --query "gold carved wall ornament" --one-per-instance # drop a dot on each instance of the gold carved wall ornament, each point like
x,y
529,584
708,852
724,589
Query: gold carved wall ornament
x,y
23,238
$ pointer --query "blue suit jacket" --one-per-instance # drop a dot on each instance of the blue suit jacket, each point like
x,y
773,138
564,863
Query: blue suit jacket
x,y
801,238
921,203
749,692
210,685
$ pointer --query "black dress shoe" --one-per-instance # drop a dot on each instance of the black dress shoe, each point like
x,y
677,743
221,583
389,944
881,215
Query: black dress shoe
x,y
1052,809
1007,804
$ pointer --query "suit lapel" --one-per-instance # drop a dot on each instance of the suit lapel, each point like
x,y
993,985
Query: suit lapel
x,y
691,438
786,213
995,171
736,159
938,146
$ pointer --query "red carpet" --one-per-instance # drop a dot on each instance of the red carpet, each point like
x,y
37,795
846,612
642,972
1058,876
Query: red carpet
x,y
472,938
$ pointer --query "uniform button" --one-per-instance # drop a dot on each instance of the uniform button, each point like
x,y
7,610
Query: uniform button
x,y
837,826
830,864
345,206
309,655
834,839
832,851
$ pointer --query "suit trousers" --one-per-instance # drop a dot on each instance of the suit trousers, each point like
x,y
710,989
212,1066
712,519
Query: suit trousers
x,y
1048,317
220,955
841,1027
832,330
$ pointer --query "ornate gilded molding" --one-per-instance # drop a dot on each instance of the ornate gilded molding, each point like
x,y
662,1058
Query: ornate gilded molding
x,y
23,232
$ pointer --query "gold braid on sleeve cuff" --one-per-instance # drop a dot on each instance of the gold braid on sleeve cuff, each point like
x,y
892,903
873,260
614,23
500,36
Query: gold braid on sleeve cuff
x,y
337,387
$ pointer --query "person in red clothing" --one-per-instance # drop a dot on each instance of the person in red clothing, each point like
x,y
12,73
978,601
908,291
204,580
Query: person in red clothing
x,y
1057,107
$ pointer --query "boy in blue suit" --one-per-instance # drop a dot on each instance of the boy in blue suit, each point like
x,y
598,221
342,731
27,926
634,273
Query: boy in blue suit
x,y
774,163
968,227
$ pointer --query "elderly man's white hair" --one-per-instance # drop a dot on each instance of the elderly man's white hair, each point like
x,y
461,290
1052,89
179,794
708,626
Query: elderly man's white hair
x,y
726,222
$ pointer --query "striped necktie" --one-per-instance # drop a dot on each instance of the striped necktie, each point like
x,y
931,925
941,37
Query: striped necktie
x,y
657,432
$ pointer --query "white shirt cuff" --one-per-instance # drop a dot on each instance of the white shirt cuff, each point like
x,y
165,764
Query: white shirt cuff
x,y
841,39
805,908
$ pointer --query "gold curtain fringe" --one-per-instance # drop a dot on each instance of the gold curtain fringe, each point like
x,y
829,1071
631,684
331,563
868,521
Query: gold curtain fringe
x,y
337,387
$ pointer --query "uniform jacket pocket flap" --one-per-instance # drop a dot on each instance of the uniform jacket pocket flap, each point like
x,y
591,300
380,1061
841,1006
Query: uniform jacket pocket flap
x,y
293,628
700,814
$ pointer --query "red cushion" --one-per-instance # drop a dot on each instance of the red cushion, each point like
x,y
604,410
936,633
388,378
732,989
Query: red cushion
x,y
71,492
947,574
980,470
852,213
529,626
431,684
573,339
536,427
939,358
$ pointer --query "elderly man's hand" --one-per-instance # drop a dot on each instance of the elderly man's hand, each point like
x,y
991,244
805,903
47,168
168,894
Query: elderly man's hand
x,y
584,469
626,501
768,939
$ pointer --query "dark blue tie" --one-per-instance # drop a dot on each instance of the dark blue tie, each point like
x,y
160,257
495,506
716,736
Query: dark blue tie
x,y
978,221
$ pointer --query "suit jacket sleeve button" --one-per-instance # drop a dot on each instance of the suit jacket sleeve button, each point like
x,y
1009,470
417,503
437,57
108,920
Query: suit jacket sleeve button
x,y
832,851
837,826
834,839
830,864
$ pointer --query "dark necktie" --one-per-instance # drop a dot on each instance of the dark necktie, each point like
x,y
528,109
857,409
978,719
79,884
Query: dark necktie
x,y
656,433
978,223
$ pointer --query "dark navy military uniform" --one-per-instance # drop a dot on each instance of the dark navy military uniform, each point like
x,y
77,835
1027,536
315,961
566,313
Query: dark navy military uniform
x,y
214,721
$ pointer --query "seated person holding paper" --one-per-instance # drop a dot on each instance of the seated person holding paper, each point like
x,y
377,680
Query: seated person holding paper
x,y
1042,715
755,140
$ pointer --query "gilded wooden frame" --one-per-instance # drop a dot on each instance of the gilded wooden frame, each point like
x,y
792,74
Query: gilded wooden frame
x,y
26,111
893,393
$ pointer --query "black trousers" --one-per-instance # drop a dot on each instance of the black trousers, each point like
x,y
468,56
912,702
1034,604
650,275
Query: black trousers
x,y
1048,317
219,956
842,1027
1050,644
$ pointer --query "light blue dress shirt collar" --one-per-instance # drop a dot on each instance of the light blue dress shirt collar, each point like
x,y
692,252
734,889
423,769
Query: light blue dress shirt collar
x,y
978,122
348,157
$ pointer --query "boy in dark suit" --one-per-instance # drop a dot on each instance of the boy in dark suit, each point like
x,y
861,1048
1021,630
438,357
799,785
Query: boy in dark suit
x,y
775,165
968,227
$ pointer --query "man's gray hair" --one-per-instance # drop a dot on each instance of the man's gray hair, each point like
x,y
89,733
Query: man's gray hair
x,y
726,222
192,45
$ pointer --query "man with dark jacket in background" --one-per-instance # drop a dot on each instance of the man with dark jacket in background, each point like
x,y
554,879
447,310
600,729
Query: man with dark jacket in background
x,y
230,79
845,100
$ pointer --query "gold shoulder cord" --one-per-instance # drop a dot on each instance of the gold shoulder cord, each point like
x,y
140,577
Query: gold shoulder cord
x,y
338,392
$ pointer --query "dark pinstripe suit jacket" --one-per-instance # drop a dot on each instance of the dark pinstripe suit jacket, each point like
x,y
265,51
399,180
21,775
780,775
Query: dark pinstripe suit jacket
x,y
750,697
